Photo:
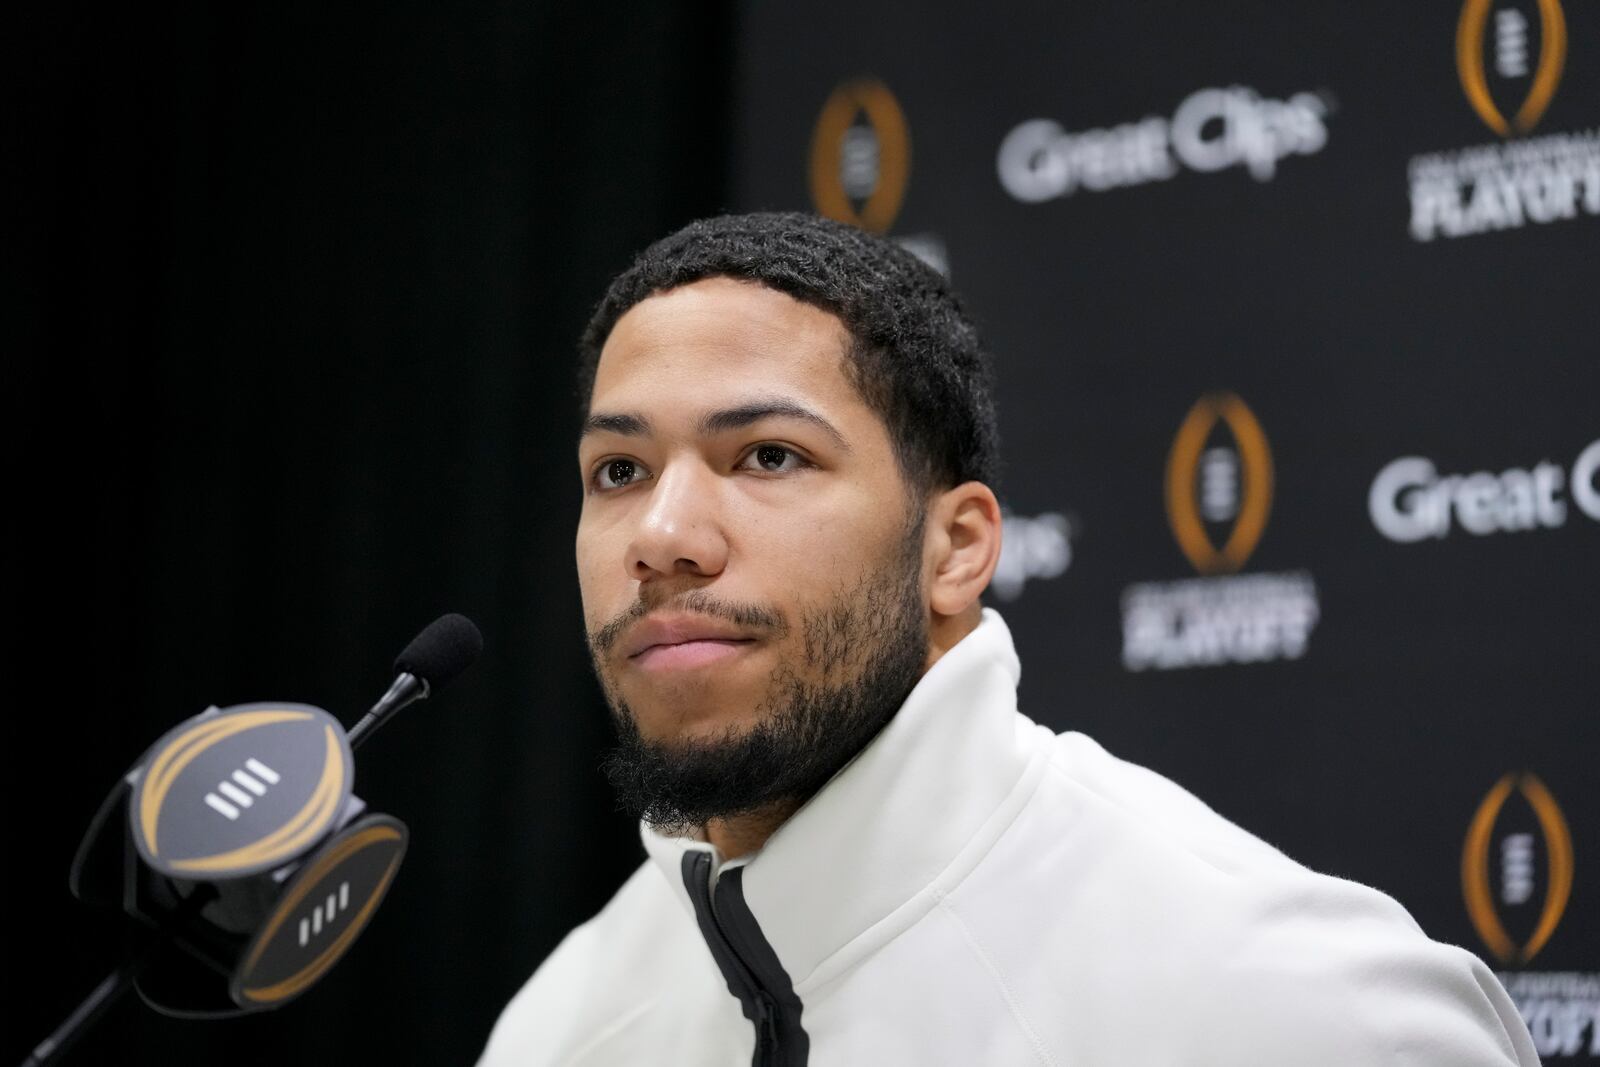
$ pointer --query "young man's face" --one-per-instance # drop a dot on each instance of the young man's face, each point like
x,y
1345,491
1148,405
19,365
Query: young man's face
x,y
748,551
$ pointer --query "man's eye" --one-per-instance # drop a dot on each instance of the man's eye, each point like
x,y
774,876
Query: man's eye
x,y
616,473
774,458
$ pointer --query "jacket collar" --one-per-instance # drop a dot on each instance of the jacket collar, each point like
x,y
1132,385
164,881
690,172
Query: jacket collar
x,y
880,833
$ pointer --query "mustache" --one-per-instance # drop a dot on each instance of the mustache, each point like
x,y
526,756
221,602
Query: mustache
x,y
760,617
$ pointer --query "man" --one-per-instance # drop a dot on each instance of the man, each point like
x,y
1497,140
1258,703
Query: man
x,y
860,852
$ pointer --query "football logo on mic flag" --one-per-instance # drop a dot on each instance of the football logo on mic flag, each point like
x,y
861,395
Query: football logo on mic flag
x,y
228,794
322,912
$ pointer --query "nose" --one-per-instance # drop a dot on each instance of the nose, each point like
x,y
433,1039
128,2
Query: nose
x,y
680,531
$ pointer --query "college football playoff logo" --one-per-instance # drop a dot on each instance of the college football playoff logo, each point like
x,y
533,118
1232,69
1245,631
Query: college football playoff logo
x,y
1500,869
1219,484
861,156
1498,40
240,790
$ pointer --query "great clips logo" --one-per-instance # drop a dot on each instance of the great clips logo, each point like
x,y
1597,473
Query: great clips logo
x,y
1032,547
1510,59
1218,494
1211,130
1412,500
1510,56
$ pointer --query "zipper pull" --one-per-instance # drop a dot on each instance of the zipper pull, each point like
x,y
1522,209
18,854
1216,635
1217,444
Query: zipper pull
x,y
767,1021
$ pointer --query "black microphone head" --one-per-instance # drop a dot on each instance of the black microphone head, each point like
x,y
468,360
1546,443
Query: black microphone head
x,y
445,647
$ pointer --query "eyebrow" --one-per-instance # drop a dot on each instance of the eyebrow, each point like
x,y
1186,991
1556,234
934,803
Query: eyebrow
x,y
745,414
628,424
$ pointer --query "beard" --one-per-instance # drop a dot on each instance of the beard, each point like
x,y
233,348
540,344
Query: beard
x,y
859,655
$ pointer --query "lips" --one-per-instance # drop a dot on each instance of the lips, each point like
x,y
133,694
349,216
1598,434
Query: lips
x,y
683,641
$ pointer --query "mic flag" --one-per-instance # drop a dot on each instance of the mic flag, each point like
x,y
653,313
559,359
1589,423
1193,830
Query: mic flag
x,y
233,793
244,844
237,844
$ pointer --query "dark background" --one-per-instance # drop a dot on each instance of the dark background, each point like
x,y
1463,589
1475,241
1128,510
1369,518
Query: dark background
x,y
296,298
299,290
1436,667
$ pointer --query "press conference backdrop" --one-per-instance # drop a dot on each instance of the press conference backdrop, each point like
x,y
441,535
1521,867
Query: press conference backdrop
x,y
1294,318
1293,315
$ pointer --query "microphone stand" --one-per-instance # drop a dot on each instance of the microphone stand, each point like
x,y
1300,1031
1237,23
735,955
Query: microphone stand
x,y
113,986
107,993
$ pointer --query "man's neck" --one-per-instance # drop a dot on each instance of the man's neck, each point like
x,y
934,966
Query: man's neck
x,y
946,631
740,835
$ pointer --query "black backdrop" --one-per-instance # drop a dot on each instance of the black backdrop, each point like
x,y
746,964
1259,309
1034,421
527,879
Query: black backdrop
x,y
1354,250
299,289
298,296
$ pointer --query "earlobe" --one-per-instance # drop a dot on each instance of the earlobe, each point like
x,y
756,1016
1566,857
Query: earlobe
x,y
966,524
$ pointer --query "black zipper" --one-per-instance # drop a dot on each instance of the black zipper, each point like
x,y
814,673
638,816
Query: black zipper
x,y
748,964
768,1042
767,1045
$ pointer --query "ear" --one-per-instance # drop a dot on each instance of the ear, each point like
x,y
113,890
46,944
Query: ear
x,y
963,544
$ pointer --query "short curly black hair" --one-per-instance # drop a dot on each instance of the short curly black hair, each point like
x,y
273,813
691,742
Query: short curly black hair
x,y
915,357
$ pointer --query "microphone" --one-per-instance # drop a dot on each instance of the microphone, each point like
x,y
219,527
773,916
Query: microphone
x,y
237,847
445,647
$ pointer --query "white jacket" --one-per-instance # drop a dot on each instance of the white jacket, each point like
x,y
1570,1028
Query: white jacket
x,y
973,889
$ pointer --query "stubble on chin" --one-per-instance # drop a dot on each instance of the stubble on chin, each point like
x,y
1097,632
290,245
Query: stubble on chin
x,y
836,683
680,701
